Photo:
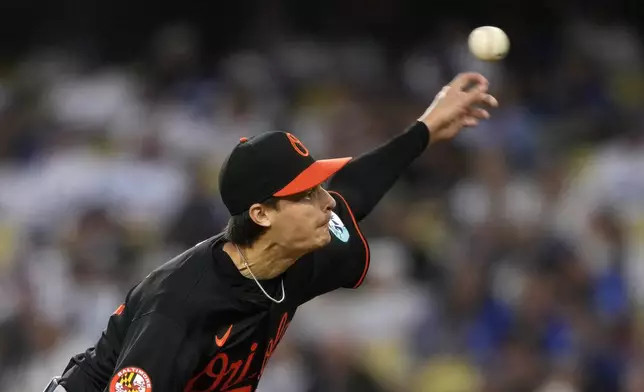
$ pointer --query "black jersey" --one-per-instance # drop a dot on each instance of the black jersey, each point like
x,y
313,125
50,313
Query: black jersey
x,y
197,324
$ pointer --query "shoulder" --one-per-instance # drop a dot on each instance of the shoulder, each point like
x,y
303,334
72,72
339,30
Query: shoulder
x,y
168,289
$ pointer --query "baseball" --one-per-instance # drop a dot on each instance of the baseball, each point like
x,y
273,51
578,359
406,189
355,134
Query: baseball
x,y
489,43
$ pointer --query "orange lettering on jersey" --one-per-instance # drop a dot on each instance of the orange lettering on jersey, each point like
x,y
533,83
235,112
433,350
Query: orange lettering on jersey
x,y
216,375
222,374
249,360
272,344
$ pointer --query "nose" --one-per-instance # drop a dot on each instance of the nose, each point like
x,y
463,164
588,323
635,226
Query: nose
x,y
329,201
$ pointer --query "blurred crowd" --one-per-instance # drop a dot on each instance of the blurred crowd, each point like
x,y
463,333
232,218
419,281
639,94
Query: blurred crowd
x,y
508,260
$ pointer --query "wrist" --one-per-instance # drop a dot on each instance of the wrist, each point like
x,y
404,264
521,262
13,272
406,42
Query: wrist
x,y
430,127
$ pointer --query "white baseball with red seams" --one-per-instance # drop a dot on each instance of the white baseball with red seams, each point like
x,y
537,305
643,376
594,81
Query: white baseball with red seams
x,y
489,43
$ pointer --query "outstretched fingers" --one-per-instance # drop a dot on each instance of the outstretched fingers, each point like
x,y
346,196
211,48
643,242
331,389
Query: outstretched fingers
x,y
468,80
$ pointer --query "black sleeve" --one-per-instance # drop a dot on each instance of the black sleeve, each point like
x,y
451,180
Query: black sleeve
x,y
366,179
148,355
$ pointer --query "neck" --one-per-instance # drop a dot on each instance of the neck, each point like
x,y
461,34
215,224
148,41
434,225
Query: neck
x,y
265,259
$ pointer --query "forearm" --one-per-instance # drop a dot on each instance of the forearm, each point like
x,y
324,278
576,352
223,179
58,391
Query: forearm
x,y
365,180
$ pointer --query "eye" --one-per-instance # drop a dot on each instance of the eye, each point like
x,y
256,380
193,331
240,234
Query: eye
x,y
310,193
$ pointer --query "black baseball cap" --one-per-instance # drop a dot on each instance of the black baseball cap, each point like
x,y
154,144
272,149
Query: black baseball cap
x,y
272,164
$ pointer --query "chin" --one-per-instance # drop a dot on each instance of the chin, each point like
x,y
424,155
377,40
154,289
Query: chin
x,y
322,240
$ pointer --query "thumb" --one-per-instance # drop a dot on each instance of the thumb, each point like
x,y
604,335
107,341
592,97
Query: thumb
x,y
441,94
439,97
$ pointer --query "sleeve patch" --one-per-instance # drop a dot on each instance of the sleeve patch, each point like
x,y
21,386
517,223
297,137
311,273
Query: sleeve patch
x,y
131,379
337,227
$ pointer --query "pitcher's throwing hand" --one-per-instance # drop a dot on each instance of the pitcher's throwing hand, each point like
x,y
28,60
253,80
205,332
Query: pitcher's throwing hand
x,y
462,103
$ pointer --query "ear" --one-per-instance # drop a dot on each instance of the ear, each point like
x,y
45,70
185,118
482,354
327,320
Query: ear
x,y
258,213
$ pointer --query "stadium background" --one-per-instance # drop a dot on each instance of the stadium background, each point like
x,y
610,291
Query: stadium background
x,y
509,260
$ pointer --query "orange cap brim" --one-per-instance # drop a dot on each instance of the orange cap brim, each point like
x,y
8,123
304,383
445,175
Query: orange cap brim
x,y
312,176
